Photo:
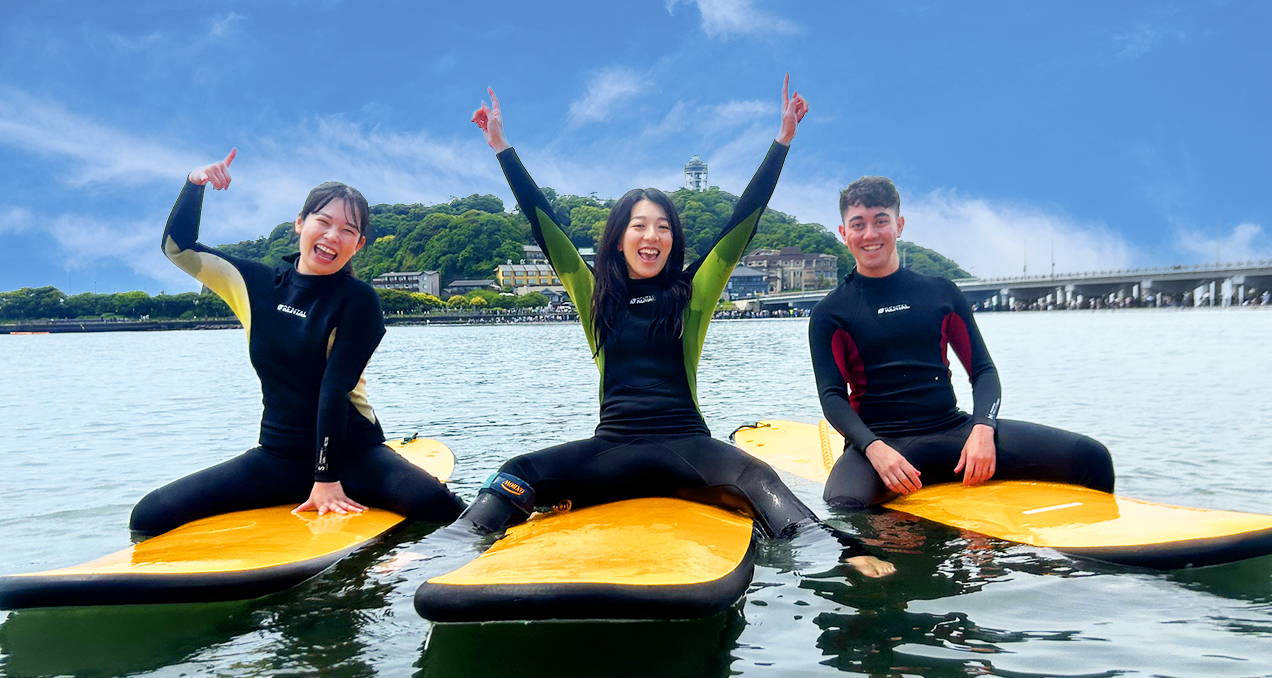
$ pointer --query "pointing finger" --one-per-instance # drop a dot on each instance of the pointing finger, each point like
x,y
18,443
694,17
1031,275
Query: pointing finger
x,y
230,157
785,82
494,100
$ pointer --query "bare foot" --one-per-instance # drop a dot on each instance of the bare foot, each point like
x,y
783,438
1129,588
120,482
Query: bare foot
x,y
871,566
396,562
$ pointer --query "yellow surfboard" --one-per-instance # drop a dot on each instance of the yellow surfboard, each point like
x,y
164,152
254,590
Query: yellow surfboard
x,y
1068,518
236,555
654,558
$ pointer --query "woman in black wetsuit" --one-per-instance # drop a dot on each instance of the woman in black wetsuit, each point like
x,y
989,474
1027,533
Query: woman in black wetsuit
x,y
645,315
312,328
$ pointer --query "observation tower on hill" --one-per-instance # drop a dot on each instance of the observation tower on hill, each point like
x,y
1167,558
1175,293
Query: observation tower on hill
x,y
696,174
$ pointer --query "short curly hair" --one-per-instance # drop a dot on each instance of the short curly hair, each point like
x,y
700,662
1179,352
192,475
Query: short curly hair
x,y
870,192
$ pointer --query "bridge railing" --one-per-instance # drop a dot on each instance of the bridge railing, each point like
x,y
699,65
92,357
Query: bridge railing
x,y
1230,267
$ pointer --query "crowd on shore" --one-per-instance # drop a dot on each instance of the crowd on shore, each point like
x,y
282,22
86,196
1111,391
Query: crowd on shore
x,y
1182,301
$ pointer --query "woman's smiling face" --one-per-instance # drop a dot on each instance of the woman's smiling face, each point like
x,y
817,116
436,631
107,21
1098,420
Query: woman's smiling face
x,y
646,243
329,237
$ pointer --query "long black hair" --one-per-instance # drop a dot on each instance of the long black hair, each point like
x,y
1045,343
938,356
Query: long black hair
x,y
609,296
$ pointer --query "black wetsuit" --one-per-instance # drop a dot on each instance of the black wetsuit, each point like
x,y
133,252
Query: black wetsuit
x,y
879,349
309,339
651,440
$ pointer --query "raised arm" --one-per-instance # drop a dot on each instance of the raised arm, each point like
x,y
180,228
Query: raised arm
x,y
223,274
711,273
731,243
576,276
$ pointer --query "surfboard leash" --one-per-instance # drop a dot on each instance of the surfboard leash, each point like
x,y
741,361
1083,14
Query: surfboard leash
x,y
828,455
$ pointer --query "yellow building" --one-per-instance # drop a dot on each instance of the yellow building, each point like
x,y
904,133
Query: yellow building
x,y
521,275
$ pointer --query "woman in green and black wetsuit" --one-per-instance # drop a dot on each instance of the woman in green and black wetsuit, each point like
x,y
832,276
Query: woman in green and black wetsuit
x,y
311,329
645,315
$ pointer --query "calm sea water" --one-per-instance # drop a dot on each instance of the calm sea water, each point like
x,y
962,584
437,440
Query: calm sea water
x,y
93,422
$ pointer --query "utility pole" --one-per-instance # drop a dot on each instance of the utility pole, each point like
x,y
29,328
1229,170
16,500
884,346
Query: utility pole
x,y
1053,255
1024,270
1218,239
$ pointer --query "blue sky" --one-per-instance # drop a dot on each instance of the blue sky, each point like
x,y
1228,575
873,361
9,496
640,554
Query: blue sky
x,y
1130,133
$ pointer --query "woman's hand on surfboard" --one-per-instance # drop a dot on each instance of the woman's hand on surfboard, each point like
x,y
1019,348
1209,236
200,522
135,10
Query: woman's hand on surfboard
x,y
794,107
490,120
871,566
217,174
894,470
329,498
979,456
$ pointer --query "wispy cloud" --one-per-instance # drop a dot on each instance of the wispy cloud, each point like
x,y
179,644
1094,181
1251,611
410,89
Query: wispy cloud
x,y
221,27
1144,40
735,112
14,220
1245,242
271,178
991,239
607,90
97,153
725,19
713,118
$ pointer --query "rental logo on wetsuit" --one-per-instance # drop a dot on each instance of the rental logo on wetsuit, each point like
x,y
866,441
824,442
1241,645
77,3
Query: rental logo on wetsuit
x,y
642,300
894,309
513,488
292,310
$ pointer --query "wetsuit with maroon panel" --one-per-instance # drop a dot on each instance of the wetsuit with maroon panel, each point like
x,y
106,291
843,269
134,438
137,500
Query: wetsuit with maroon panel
x,y
880,355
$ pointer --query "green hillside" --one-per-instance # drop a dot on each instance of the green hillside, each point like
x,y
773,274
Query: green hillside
x,y
467,238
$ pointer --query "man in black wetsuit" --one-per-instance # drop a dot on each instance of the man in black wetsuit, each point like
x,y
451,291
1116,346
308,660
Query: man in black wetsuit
x,y
879,353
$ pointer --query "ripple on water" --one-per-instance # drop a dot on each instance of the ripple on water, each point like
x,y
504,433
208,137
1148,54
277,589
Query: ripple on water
x,y
96,421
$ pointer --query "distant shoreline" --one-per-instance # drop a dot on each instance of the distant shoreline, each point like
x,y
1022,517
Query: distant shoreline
x,y
127,325
487,318
460,318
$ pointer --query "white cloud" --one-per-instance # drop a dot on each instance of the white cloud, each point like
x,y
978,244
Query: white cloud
x,y
1245,242
725,19
987,238
608,89
992,239
98,154
221,27
1143,40
713,119
14,220
271,178
735,112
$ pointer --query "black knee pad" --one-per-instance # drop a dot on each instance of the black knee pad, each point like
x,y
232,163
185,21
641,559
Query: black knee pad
x,y
512,489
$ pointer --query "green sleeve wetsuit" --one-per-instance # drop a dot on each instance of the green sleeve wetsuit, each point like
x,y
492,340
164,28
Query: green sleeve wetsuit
x,y
651,439
309,339
649,381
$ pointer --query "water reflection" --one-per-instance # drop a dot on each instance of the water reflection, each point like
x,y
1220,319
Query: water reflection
x,y
699,647
879,633
116,640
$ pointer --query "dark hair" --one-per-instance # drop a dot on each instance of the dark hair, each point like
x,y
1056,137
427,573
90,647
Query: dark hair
x,y
355,206
870,192
609,296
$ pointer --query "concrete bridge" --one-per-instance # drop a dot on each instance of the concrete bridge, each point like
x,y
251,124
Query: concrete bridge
x,y
1139,286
